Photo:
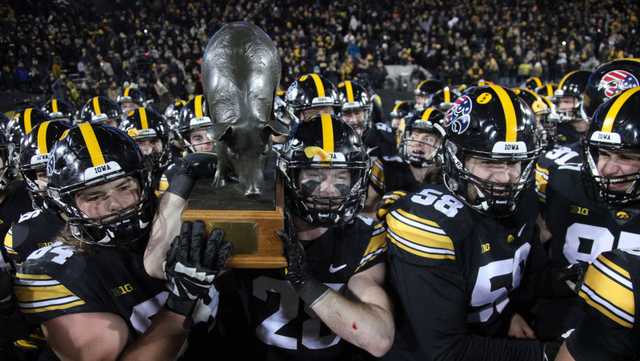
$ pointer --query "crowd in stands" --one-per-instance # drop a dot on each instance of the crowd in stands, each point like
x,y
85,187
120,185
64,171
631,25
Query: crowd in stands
x,y
78,49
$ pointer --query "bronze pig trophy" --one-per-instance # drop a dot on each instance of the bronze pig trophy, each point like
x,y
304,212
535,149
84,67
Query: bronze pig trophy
x,y
241,71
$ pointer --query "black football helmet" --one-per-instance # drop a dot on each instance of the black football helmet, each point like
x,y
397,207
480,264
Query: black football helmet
x,y
89,155
23,123
34,154
572,85
443,99
532,83
195,116
58,109
311,91
608,80
324,145
546,91
543,108
132,97
144,124
282,113
490,123
7,150
615,127
101,110
424,92
430,121
355,98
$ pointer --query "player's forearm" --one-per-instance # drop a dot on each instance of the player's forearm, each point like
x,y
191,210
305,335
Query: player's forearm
x,y
365,325
166,226
162,341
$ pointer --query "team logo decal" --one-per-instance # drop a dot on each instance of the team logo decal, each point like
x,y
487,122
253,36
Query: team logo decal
x,y
458,118
616,81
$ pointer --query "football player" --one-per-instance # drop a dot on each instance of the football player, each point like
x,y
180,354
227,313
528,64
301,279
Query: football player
x,y
39,226
89,291
591,207
131,99
58,109
400,110
101,110
310,95
424,92
330,294
609,330
571,121
356,112
417,163
195,126
459,252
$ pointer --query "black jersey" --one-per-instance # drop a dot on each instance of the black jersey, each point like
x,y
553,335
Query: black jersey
x,y
454,276
33,230
567,134
17,202
610,329
390,174
569,155
60,279
380,140
277,322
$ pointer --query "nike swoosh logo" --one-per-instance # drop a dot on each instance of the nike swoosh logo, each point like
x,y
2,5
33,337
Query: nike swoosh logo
x,y
333,269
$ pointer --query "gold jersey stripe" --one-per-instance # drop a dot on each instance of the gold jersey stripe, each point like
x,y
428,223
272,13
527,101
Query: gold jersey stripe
x,y
610,118
621,271
96,105
376,242
319,86
197,103
511,123
41,293
327,132
143,118
89,136
613,292
421,253
8,239
418,219
418,236
28,276
53,308
42,138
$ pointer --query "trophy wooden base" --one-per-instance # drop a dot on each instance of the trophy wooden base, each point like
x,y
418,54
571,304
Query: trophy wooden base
x,y
250,224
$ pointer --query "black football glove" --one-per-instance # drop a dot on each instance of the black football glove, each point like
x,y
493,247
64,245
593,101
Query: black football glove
x,y
573,275
189,169
297,273
193,262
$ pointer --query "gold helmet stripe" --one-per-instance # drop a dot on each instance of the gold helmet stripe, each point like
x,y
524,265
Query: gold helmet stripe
x,y
349,89
509,113
447,95
426,114
143,118
319,86
89,136
54,105
327,133
549,90
420,84
564,79
610,118
537,81
197,103
27,121
398,105
42,138
96,105
126,91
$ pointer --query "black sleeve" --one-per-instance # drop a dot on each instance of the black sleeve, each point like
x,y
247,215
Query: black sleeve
x,y
598,338
433,303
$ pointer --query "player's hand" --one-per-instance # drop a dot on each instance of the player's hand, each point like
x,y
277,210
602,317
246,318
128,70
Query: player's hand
x,y
297,272
573,275
387,201
189,169
193,262
519,328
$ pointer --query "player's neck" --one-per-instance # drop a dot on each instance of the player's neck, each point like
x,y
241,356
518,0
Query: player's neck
x,y
419,174
306,231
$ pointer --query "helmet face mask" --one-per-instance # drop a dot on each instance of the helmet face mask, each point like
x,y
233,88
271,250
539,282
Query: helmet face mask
x,y
196,127
6,158
325,184
148,129
604,187
421,139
